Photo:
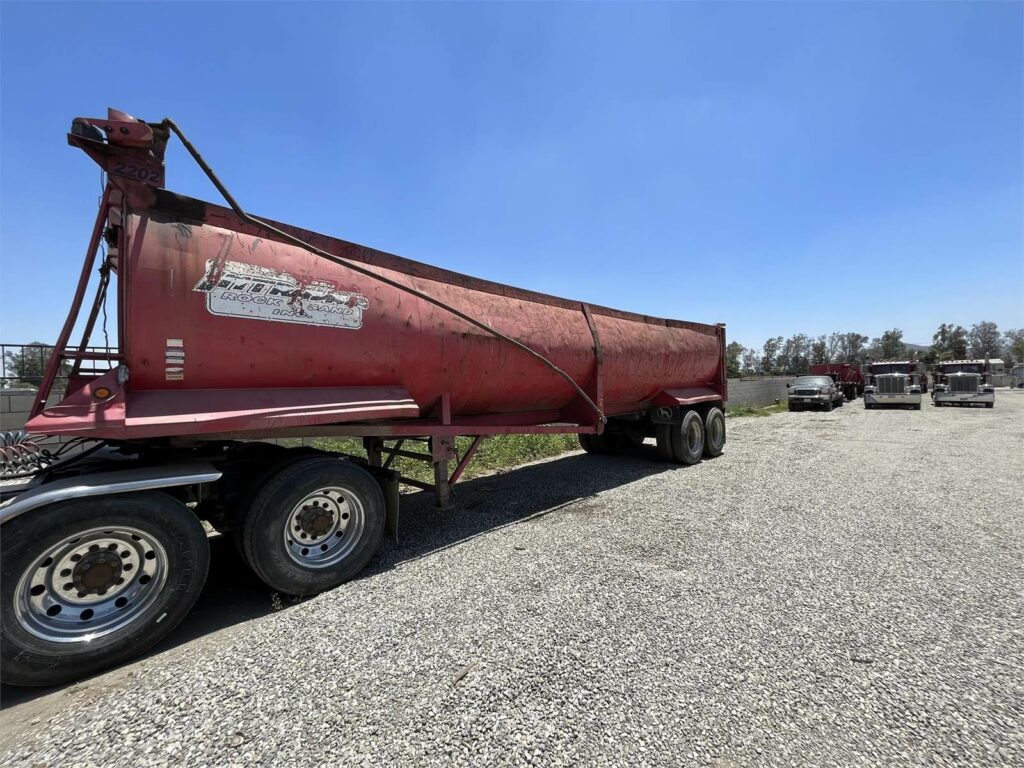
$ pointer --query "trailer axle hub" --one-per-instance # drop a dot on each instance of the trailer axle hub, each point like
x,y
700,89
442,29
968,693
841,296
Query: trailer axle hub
x,y
316,520
97,572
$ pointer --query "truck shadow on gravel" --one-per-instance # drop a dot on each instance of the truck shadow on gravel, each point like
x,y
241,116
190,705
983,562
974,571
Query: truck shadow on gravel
x,y
234,595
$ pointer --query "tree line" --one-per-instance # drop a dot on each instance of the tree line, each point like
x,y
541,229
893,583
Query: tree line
x,y
799,352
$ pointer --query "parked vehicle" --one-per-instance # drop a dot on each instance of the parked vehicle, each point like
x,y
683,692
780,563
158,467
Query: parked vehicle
x,y
892,389
894,383
232,328
1017,376
848,377
964,382
915,370
814,392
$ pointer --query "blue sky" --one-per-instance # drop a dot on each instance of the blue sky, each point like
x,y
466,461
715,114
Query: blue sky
x,y
778,167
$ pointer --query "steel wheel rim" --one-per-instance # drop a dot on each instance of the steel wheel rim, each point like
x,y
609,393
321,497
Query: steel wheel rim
x,y
716,432
693,441
58,600
324,527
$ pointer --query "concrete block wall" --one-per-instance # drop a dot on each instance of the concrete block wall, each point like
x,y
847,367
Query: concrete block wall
x,y
758,392
14,407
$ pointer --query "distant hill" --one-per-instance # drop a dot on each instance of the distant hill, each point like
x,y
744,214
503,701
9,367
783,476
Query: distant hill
x,y
917,347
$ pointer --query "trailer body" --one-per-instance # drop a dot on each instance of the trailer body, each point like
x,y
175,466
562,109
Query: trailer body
x,y
230,330
225,331
847,376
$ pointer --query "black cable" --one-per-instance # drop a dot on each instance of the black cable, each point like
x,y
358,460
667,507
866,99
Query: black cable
x,y
51,467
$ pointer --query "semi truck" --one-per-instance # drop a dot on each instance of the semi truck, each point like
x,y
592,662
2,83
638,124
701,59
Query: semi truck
x,y
846,376
232,330
963,382
894,383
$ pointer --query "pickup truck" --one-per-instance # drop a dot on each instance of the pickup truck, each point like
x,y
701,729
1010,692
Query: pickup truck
x,y
814,392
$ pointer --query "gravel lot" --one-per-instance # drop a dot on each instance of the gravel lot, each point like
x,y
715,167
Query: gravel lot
x,y
840,588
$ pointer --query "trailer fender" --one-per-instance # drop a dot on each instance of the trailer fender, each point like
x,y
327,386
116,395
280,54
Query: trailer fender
x,y
687,397
103,483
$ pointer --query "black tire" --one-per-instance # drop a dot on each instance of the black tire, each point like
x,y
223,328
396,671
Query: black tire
x,y
249,466
663,438
688,439
600,445
28,659
829,405
840,402
714,433
990,405
285,564
791,407
630,441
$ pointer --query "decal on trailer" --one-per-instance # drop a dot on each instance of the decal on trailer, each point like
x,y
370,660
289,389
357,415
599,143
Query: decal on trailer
x,y
174,360
237,289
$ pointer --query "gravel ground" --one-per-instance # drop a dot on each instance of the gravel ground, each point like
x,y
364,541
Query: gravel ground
x,y
840,588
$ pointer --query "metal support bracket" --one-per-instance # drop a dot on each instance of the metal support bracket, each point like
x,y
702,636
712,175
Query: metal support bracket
x,y
598,368
442,450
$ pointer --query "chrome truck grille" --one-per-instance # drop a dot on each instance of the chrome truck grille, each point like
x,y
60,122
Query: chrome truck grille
x,y
964,382
892,384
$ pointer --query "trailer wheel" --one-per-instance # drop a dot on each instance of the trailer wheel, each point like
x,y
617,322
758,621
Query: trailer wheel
x,y
663,439
688,439
631,441
612,442
314,525
714,433
599,445
92,583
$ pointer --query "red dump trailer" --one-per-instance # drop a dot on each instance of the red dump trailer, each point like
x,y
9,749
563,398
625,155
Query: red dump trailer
x,y
845,375
233,329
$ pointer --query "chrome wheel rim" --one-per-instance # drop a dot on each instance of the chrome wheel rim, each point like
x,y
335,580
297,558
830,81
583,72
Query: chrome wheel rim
x,y
90,584
324,527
